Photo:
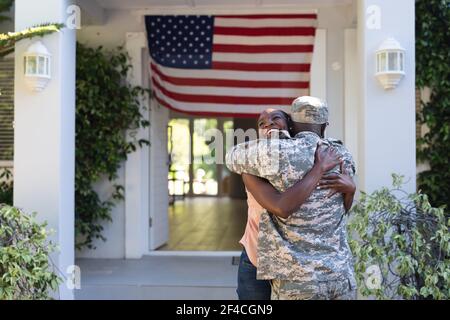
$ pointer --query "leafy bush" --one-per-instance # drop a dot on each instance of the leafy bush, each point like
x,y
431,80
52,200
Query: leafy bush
x,y
106,107
406,240
6,186
25,272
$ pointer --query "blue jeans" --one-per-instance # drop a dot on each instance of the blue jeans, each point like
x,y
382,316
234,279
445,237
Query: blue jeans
x,y
249,288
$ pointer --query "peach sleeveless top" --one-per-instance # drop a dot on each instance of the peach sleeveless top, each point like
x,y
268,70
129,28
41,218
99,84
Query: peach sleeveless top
x,y
250,238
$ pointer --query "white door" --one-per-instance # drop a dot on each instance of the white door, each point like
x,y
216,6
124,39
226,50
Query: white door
x,y
159,168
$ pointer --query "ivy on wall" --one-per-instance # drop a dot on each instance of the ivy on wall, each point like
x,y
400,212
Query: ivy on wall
x,y
433,71
106,107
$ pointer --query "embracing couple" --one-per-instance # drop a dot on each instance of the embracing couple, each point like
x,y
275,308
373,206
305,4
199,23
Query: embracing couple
x,y
299,187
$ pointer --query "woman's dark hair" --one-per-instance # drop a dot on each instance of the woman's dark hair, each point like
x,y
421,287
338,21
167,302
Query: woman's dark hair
x,y
289,121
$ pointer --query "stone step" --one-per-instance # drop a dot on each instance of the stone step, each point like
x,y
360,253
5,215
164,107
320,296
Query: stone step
x,y
132,292
159,277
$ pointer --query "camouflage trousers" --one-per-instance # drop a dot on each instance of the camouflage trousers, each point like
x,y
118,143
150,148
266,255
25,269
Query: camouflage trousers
x,y
341,289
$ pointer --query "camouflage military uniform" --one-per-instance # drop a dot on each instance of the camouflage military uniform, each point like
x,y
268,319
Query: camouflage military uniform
x,y
307,254
339,289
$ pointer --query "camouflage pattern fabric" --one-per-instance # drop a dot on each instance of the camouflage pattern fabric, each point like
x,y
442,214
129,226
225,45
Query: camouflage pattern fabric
x,y
308,109
340,289
311,245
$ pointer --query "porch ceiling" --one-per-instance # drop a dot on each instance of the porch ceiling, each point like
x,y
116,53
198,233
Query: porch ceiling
x,y
146,4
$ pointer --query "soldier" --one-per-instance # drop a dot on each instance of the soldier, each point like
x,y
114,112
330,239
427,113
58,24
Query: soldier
x,y
306,255
262,195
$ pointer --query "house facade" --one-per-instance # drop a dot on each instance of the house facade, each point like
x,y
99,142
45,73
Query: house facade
x,y
377,125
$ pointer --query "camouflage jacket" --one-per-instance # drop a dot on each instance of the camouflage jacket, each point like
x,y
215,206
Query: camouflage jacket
x,y
311,244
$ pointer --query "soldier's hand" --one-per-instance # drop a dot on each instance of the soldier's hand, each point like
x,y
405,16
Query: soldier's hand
x,y
326,157
338,183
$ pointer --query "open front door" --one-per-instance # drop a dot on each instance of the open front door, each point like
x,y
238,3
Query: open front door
x,y
159,168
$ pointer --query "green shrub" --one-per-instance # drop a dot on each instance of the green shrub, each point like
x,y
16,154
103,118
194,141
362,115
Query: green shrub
x,y
406,239
25,272
6,186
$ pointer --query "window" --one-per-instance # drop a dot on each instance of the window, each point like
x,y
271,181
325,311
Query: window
x,y
6,110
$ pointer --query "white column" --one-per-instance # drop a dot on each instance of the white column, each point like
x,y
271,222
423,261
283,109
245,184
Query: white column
x,y
319,65
137,165
386,130
351,103
44,147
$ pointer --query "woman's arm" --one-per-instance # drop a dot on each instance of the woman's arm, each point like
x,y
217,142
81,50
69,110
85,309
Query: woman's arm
x,y
284,204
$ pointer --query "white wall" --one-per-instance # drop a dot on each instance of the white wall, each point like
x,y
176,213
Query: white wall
x,y
44,132
335,20
113,231
387,118
351,94
113,32
110,35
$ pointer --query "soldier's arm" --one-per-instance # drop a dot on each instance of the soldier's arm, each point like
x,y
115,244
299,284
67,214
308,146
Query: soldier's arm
x,y
248,157
286,203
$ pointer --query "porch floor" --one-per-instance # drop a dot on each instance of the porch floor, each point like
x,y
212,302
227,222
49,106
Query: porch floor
x,y
206,224
158,277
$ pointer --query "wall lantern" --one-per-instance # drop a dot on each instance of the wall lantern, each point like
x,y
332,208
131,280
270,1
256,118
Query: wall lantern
x,y
37,60
390,63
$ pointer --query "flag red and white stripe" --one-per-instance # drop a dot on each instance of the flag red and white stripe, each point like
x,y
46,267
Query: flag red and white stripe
x,y
258,61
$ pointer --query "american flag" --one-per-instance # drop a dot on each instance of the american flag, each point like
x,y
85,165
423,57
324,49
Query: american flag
x,y
230,65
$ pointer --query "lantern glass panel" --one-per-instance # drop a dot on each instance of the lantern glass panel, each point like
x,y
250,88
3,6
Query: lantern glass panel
x,y
393,61
383,62
47,66
41,66
402,66
31,65
378,62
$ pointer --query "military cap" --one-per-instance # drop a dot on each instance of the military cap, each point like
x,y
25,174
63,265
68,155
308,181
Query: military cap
x,y
308,109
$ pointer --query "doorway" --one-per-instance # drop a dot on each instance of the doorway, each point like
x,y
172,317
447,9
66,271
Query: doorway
x,y
203,215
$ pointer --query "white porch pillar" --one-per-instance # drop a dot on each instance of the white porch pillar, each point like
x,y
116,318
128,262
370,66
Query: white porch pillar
x,y
386,118
44,147
137,165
